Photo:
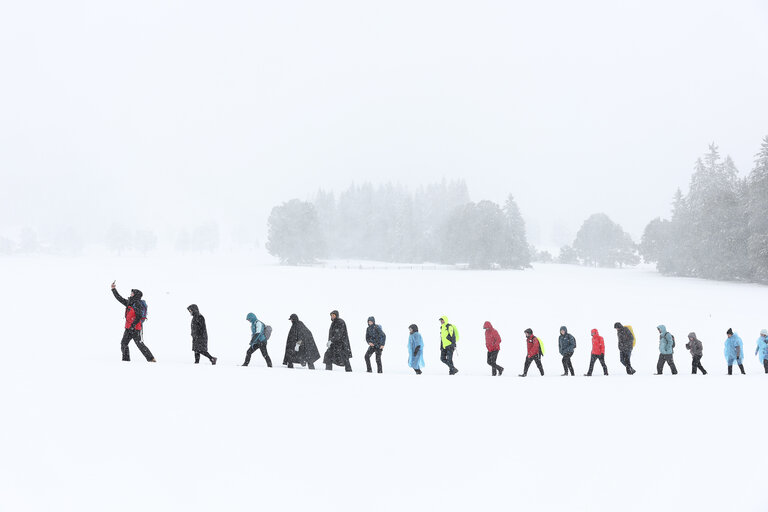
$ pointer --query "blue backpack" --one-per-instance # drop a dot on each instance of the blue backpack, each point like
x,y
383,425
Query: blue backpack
x,y
141,310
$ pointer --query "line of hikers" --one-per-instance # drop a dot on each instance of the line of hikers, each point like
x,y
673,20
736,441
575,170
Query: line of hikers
x,y
300,347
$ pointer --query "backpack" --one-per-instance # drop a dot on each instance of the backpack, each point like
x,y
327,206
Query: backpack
x,y
455,334
141,310
541,346
383,335
673,339
634,338
267,332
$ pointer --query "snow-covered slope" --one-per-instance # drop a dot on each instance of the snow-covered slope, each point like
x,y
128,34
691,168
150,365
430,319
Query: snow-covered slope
x,y
83,431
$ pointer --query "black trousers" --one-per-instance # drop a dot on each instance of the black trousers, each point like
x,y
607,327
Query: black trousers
x,y
624,358
446,356
597,357
137,336
495,368
263,348
567,365
528,360
666,358
205,353
765,364
696,365
369,353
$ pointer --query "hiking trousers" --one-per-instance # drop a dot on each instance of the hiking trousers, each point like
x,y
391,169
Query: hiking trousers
x,y
138,337
254,348
368,354
666,358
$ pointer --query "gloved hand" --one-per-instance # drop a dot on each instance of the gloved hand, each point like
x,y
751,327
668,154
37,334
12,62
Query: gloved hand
x,y
296,347
328,345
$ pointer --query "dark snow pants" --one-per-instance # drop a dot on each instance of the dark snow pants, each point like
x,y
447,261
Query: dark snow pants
x,y
765,364
205,353
495,368
528,360
624,358
254,348
741,367
596,357
567,365
666,358
446,356
369,353
138,337
696,365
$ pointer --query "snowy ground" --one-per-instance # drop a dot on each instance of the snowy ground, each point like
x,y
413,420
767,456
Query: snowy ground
x,y
83,431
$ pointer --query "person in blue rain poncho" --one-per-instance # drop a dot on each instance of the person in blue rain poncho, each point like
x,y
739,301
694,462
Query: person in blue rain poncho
x,y
734,351
762,349
415,349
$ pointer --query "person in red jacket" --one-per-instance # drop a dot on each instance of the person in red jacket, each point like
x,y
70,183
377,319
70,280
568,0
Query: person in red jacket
x,y
534,352
598,352
133,318
493,344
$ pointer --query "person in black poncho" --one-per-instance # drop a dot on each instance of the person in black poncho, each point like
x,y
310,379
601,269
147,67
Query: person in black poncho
x,y
300,346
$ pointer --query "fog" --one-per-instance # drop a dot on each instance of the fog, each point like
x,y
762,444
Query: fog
x,y
169,114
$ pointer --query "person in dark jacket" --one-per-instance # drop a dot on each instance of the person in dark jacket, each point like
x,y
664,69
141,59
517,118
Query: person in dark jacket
x,y
567,345
300,346
696,348
493,344
338,350
598,353
376,339
626,343
199,335
258,340
533,352
135,310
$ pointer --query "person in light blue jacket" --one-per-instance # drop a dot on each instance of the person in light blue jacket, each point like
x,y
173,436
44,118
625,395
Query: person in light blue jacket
x,y
734,351
666,349
762,348
259,335
415,349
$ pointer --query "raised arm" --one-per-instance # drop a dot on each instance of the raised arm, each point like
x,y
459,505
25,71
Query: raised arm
x,y
119,298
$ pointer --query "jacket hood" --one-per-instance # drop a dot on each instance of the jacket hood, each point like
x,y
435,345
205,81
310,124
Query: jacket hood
x,y
371,319
487,325
662,328
414,327
528,331
692,335
193,309
617,325
444,319
335,312
564,328
595,333
251,317
293,318
137,295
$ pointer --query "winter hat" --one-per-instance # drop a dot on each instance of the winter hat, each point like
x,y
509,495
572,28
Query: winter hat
x,y
729,331
371,319
617,325
529,331
414,327
764,332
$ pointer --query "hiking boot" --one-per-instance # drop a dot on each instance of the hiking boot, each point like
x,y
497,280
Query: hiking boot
x,y
564,374
522,375
501,370
587,374
453,371
213,360
153,360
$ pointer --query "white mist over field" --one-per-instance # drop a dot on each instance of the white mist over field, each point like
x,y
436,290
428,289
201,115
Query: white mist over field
x,y
84,431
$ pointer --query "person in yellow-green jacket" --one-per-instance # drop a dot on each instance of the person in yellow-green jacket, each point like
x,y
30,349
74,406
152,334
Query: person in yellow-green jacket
x,y
449,336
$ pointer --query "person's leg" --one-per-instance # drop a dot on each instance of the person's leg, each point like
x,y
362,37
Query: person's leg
x,y
124,345
765,364
570,366
489,359
444,357
311,366
730,368
601,357
379,368
347,365
537,358
592,359
197,357
368,354
265,354
142,347
248,355
527,364
565,366
671,363
418,371
694,365
449,357
660,364
741,367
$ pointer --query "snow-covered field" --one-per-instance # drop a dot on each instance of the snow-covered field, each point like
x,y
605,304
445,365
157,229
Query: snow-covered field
x,y
82,430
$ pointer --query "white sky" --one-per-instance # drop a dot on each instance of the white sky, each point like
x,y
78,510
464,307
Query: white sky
x,y
161,113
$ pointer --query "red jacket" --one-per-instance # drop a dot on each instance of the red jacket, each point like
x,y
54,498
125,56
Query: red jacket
x,y
130,316
598,343
533,345
492,338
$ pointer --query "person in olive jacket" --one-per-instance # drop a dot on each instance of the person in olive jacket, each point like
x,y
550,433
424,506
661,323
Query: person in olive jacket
x,y
696,348
567,346
199,335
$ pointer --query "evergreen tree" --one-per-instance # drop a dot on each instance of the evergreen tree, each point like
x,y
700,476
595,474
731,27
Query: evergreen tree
x,y
757,215
601,242
294,233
